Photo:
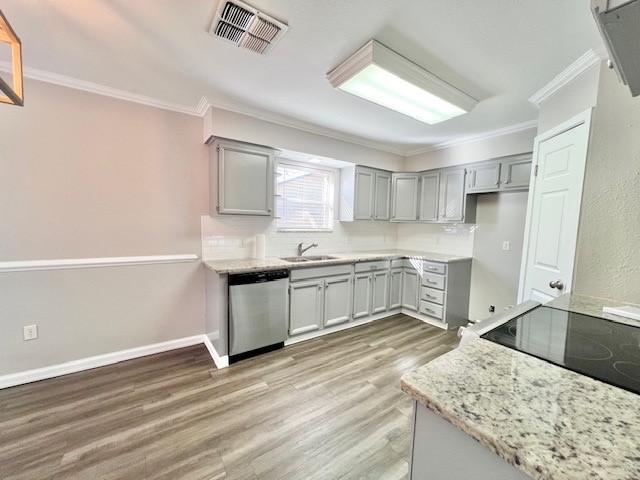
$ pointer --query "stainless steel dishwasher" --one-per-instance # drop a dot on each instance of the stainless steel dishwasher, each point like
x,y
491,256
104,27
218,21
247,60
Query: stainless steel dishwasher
x,y
258,314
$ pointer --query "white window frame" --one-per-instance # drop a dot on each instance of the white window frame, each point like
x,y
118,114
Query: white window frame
x,y
335,179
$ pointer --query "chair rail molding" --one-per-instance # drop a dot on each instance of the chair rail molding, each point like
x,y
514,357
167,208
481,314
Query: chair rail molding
x,y
74,263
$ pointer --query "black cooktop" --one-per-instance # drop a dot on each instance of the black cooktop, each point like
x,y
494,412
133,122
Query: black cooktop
x,y
599,348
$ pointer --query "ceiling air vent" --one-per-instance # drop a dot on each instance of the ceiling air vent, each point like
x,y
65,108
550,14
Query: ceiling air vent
x,y
246,27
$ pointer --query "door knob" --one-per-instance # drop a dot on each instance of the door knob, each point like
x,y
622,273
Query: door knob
x,y
556,284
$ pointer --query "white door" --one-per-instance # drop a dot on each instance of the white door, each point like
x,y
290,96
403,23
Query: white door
x,y
554,211
337,300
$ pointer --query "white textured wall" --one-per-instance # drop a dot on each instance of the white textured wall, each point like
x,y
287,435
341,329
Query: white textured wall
x,y
83,175
608,253
577,96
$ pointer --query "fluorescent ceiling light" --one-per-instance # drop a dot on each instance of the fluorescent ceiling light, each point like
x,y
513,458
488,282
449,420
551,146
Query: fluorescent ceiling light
x,y
381,76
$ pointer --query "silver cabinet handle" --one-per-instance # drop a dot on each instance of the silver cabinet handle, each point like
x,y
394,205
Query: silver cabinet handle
x,y
557,284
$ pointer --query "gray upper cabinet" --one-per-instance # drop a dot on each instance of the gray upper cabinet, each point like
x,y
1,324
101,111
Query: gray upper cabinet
x,y
429,196
404,197
245,178
483,177
452,195
364,193
382,195
516,172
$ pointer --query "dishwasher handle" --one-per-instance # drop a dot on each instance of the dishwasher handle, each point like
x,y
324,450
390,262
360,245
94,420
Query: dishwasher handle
x,y
257,277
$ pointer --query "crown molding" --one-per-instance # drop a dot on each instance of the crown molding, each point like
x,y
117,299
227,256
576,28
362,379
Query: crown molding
x,y
518,127
98,89
587,60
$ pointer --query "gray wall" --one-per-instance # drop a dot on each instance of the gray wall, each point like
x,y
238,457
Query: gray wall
x,y
89,176
608,253
495,272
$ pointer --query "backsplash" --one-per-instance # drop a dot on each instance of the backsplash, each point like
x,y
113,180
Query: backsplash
x,y
234,236
451,239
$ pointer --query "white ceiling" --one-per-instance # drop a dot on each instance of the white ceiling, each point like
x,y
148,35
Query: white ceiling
x,y
501,51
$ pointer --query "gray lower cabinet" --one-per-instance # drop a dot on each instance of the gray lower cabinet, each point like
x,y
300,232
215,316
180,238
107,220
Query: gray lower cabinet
x,y
380,292
404,197
516,172
245,178
410,288
395,288
337,300
483,177
362,295
305,306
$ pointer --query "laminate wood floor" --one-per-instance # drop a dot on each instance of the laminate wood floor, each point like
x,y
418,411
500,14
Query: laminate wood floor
x,y
329,408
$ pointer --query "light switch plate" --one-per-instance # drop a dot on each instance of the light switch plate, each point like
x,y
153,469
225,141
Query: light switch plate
x,y
506,245
30,332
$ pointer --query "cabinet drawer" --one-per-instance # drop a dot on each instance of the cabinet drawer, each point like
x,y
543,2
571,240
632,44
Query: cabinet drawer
x,y
433,280
370,266
305,273
431,309
434,267
432,295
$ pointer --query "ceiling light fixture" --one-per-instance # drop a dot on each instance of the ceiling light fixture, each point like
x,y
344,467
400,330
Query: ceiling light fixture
x,y
380,75
13,95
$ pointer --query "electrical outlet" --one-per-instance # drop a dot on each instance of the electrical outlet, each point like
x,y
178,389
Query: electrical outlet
x,y
506,245
30,332
492,308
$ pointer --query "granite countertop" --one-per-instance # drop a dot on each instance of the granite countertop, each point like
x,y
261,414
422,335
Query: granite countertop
x,y
548,421
274,263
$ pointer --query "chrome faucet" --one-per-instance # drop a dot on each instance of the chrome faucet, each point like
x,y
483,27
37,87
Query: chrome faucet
x,y
302,250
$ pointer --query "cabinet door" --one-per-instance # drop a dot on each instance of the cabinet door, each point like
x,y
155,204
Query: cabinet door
x,y
380,292
452,196
305,306
410,291
365,185
484,177
382,196
362,295
429,196
516,173
245,179
395,289
404,197
337,300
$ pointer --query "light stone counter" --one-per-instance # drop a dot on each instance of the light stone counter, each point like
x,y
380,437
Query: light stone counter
x,y
547,421
273,263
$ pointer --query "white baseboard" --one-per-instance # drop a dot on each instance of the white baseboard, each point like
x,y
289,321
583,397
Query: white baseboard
x,y
220,361
343,326
428,320
74,366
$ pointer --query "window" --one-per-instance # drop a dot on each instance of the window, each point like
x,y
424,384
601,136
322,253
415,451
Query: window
x,y
305,197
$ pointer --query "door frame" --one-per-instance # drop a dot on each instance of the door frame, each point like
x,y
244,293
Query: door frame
x,y
583,118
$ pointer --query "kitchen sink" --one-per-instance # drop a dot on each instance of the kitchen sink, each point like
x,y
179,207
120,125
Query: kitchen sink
x,y
310,258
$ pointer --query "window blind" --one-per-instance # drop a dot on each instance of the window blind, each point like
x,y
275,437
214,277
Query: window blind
x,y
305,197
